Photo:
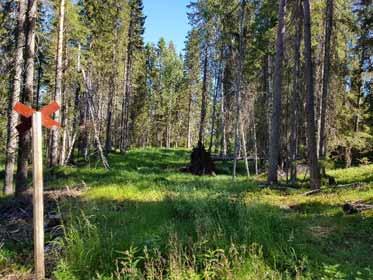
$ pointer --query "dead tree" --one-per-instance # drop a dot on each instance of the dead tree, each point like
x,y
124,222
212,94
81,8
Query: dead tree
x,y
92,115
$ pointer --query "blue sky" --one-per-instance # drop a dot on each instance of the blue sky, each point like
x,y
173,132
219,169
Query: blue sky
x,y
167,19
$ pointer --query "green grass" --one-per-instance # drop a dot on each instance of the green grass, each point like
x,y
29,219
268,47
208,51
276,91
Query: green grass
x,y
144,219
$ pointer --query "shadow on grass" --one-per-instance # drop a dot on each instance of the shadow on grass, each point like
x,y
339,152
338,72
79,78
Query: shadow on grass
x,y
201,225
100,229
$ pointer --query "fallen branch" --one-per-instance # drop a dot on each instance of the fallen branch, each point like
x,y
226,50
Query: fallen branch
x,y
357,207
231,158
312,192
352,185
278,186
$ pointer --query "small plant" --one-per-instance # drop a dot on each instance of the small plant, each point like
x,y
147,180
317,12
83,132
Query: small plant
x,y
364,161
128,265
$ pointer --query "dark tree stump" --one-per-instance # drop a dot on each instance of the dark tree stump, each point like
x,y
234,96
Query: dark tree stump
x,y
201,162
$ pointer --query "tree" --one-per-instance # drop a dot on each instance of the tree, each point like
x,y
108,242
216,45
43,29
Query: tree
x,y
297,88
326,77
310,111
26,97
274,146
135,44
192,73
11,147
204,92
241,58
55,134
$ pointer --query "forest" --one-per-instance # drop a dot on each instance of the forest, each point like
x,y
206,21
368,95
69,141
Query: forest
x,y
247,154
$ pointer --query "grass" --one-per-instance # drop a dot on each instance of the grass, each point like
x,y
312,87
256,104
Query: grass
x,y
144,219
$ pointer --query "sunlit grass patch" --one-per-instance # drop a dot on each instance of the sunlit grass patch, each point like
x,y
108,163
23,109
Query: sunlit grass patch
x,y
144,219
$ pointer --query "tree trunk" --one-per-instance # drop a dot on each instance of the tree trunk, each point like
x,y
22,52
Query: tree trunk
x,y
11,146
267,77
110,103
213,118
348,158
91,112
38,85
255,140
241,60
124,141
189,136
204,97
310,106
125,106
274,147
326,77
55,132
168,124
244,150
223,143
109,118
25,138
295,102
64,124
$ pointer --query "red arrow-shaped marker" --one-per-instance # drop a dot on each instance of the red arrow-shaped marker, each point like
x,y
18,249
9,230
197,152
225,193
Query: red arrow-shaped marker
x,y
26,112
46,112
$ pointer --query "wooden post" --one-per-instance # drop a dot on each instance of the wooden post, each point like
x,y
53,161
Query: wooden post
x,y
38,215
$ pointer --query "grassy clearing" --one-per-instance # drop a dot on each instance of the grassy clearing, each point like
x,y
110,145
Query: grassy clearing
x,y
145,220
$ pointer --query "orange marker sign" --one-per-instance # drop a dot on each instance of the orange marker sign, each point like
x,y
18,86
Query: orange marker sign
x,y
31,118
27,112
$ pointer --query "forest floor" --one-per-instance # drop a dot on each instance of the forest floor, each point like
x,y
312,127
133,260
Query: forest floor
x,y
143,219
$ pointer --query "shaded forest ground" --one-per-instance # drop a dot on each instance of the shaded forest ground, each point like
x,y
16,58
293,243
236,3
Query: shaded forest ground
x,y
144,218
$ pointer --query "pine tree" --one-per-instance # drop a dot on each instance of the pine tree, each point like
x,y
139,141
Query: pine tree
x,y
326,77
26,97
311,128
14,98
274,145
55,134
192,73
135,45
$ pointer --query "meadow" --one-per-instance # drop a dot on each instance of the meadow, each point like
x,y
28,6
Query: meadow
x,y
144,219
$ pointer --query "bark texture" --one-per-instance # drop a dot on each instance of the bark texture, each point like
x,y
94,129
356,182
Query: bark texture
x,y
274,147
55,132
241,59
25,138
204,98
310,104
11,146
295,102
326,77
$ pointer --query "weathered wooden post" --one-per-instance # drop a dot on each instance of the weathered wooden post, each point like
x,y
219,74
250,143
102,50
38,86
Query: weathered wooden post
x,y
35,120
37,169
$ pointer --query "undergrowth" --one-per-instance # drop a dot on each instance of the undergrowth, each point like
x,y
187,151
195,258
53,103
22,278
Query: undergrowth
x,y
143,219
